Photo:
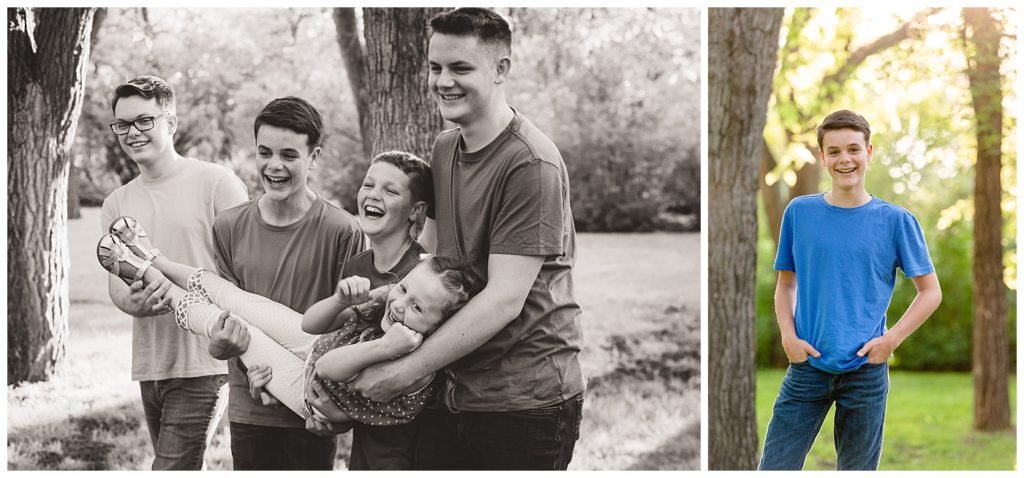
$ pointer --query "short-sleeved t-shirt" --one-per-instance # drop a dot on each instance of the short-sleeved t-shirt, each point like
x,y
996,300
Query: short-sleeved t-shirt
x,y
177,211
845,260
512,197
296,265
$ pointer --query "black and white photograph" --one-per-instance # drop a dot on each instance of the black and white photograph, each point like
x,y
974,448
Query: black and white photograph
x,y
354,238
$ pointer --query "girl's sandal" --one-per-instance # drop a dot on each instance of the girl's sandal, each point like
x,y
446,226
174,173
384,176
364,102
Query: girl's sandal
x,y
119,260
131,233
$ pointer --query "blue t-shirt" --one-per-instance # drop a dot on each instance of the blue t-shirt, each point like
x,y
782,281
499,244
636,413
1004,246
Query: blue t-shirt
x,y
845,261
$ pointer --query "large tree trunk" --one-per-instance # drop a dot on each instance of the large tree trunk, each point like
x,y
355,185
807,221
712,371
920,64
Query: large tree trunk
x,y
991,346
47,51
74,179
738,40
389,78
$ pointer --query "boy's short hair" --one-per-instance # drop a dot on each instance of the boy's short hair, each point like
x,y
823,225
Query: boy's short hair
x,y
148,87
482,23
292,113
421,181
844,119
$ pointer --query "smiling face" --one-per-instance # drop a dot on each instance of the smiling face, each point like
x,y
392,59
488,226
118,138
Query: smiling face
x,y
385,201
464,77
145,147
285,161
416,301
845,155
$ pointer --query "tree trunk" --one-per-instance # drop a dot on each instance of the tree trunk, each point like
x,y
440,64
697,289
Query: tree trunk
x,y
738,40
74,180
991,345
389,78
46,57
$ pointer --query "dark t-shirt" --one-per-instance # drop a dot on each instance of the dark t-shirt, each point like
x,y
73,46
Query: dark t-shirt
x,y
512,197
296,265
383,447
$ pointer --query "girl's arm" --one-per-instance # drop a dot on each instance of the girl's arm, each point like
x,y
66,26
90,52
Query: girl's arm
x,y
344,363
329,314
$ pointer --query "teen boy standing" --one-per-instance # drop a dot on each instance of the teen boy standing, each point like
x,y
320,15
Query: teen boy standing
x,y
837,260
290,246
177,198
502,199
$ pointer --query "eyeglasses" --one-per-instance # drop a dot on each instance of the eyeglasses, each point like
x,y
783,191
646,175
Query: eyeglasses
x,y
145,123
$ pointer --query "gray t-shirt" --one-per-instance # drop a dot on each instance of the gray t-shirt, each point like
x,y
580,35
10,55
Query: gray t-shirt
x,y
296,265
512,197
178,212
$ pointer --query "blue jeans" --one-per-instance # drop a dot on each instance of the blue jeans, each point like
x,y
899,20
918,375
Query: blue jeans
x,y
182,415
805,398
255,447
535,439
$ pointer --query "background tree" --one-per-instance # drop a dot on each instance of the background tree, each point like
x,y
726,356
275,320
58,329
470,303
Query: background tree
x,y
47,50
739,40
981,36
387,72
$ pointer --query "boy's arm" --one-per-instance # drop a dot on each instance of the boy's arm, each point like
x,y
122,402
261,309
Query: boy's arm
x,y
344,363
796,348
929,296
508,283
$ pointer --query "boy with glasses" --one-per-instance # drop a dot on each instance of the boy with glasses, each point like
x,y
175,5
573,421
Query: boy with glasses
x,y
182,386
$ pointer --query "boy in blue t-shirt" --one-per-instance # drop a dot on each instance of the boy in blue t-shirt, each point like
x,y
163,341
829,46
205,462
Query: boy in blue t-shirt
x,y
840,250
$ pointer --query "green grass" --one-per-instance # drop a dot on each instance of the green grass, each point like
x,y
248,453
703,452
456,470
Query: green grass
x,y
641,299
928,425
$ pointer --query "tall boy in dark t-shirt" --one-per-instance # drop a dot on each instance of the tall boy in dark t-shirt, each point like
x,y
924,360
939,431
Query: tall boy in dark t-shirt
x,y
837,260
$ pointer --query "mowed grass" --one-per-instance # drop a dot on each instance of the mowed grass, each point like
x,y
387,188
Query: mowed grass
x,y
640,295
928,425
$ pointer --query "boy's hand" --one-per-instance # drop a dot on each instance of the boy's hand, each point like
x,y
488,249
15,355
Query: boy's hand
x,y
150,300
797,350
878,349
400,340
259,376
353,290
230,338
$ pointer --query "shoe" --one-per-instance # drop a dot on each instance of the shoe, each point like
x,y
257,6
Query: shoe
x,y
131,233
119,260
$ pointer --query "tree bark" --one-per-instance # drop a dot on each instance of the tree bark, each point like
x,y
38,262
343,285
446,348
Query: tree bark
x,y
991,346
388,77
738,40
74,181
403,116
46,58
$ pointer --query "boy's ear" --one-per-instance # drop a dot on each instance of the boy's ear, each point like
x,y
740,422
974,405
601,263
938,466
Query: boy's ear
x,y
821,157
314,156
419,209
502,68
172,123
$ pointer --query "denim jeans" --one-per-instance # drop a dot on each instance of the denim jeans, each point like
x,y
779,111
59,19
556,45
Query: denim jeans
x,y
535,439
805,398
255,447
182,415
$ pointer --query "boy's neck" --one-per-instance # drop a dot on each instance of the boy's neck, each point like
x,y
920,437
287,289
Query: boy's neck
x,y
841,198
287,211
161,167
482,131
388,250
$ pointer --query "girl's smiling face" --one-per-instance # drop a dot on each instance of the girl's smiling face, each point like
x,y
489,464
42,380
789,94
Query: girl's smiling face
x,y
417,301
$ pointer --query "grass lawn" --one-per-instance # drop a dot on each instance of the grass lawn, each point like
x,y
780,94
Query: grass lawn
x,y
928,425
641,299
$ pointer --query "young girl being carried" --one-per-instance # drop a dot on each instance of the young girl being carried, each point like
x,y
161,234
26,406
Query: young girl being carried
x,y
369,319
